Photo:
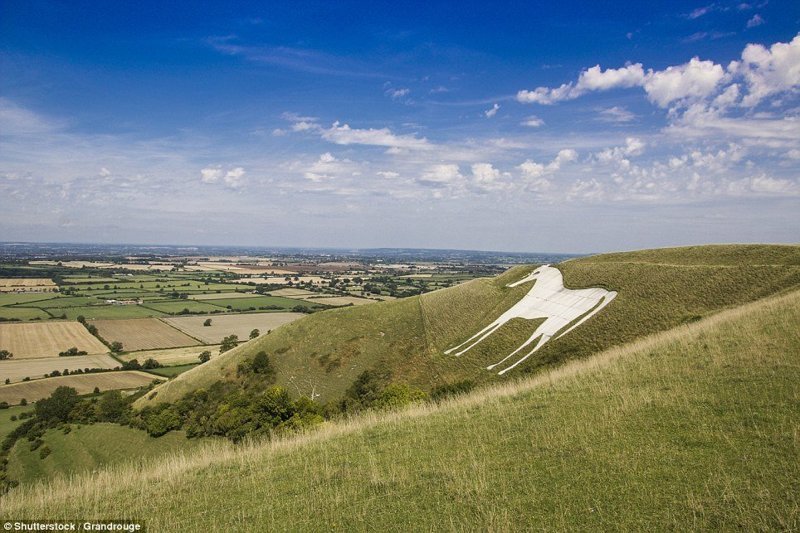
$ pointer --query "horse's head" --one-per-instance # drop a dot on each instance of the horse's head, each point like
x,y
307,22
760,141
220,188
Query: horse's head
x,y
537,272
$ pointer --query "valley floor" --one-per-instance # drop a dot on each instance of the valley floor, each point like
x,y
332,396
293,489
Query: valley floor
x,y
697,427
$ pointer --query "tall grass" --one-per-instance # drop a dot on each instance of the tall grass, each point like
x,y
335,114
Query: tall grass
x,y
697,427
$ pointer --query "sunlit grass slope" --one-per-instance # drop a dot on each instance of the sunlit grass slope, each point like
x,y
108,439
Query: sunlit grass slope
x,y
695,428
322,354
89,447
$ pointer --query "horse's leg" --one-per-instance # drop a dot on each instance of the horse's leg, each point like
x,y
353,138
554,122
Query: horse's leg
x,y
532,338
541,342
485,332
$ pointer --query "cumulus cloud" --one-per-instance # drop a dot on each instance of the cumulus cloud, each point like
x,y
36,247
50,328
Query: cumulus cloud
x,y
232,178
765,72
532,170
493,111
486,177
695,79
769,71
441,175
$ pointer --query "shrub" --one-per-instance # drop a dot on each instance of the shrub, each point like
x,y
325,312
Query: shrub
x,y
204,356
44,451
5,354
398,395
207,322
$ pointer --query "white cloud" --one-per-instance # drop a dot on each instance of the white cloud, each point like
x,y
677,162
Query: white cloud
x,y
763,185
210,174
757,20
695,79
104,172
232,178
17,120
492,112
344,134
596,79
486,177
615,114
388,174
441,175
532,170
768,71
397,94
532,121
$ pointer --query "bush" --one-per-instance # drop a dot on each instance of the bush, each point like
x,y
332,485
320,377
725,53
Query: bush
x,y
228,343
160,423
116,347
5,354
255,333
58,406
207,322
44,451
452,389
151,363
398,395
72,352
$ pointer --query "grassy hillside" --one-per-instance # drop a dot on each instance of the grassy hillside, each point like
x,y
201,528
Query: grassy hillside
x,y
658,289
87,448
693,428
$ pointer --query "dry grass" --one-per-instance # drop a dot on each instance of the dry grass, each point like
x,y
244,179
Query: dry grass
x,y
340,300
47,339
688,428
172,356
83,383
142,334
224,325
17,370
26,282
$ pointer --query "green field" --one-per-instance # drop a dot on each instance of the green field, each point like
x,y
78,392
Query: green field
x,y
176,306
325,352
86,448
256,302
23,313
6,424
25,298
695,428
106,311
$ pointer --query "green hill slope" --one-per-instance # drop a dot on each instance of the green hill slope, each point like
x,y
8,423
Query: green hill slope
x,y
323,354
693,428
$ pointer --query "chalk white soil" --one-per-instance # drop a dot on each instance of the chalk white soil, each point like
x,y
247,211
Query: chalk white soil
x,y
548,299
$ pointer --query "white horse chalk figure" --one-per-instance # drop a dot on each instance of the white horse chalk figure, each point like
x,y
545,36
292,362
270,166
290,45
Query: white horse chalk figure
x,y
548,299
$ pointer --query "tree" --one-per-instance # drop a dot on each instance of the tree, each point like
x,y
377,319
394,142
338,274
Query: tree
x,y
262,365
151,363
204,356
255,333
207,322
82,319
228,343
116,347
112,406
5,354
57,407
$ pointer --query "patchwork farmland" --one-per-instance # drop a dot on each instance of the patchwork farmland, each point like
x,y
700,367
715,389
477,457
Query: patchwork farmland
x,y
83,383
142,334
224,325
47,339
18,369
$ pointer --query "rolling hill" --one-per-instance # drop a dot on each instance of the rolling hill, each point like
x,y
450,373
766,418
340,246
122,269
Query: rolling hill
x,y
323,354
693,427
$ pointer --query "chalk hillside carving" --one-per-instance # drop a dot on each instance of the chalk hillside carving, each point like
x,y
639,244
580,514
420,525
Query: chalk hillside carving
x,y
548,299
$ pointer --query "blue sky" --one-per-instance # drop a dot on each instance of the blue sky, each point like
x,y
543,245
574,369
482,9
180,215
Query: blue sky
x,y
565,127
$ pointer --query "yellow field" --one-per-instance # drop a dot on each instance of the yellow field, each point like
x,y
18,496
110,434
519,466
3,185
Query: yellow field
x,y
83,383
301,294
238,268
27,285
224,325
142,334
172,356
47,339
17,370
340,300
221,295
280,280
